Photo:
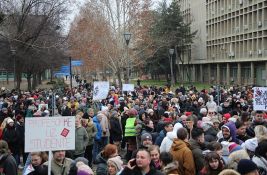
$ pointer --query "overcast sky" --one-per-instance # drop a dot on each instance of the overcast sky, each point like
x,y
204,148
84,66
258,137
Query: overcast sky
x,y
75,10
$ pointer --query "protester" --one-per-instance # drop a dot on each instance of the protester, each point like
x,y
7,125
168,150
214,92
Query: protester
x,y
60,164
260,157
8,164
36,167
169,166
213,164
115,165
109,151
247,167
154,154
140,165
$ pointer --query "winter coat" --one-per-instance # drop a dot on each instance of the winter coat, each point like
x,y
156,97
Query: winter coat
x,y
101,164
197,153
105,126
171,168
137,171
10,135
91,131
115,129
211,104
160,137
60,169
170,136
81,140
8,164
20,132
38,170
182,153
99,129
261,162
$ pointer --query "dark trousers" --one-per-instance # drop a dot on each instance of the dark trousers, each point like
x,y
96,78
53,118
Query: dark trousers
x,y
89,154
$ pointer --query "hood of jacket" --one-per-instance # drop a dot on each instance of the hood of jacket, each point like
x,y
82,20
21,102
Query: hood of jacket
x,y
171,135
232,128
171,167
179,144
100,159
95,119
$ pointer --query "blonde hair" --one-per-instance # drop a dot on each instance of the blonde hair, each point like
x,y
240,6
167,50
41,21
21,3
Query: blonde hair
x,y
4,123
260,131
235,157
154,147
43,155
228,172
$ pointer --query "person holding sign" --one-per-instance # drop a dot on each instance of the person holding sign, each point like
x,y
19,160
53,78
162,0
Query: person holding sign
x,y
60,165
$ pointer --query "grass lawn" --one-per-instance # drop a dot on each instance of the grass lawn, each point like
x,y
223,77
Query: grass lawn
x,y
162,83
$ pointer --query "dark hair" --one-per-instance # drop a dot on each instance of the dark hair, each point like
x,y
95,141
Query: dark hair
x,y
239,124
167,124
261,150
182,133
209,157
214,146
166,158
196,132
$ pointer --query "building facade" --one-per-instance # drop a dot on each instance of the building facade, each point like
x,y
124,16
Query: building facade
x,y
231,43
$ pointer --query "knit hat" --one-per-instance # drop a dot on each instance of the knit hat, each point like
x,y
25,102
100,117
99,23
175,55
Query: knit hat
x,y
227,116
132,112
246,166
9,121
250,144
146,136
116,162
149,111
203,110
188,113
234,147
200,100
215,120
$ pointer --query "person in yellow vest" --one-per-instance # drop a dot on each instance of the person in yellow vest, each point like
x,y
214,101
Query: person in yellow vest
x,y
130,133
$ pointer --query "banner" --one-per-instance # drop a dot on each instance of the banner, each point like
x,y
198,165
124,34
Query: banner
x,y
260,99
128,87
101,89
49,134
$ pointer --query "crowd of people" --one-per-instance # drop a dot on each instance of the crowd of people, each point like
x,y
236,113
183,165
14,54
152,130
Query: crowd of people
x,y
150,131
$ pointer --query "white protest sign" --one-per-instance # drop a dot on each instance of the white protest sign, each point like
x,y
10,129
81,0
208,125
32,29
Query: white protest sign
x,y
49,133
128,87
260,99
42,105
101,89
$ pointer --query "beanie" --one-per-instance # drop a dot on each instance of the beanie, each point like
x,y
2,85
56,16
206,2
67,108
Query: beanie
x,y
246,166
203,110
9,121
149,111
250,144
145,136
116,162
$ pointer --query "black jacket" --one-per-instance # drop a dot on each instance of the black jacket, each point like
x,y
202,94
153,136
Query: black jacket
x,y
10,135
8,165
137,171
115,129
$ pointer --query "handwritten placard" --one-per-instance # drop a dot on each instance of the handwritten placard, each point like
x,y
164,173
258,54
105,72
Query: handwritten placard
x,y
128,87
101,89
260,99
49,133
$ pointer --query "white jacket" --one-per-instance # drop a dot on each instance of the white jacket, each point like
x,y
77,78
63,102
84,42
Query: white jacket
x,y
260,162
166,143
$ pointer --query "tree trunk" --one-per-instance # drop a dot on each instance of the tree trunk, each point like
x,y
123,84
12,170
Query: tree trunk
x,y
7,80
51,76
18,80
34,81
119,78
39,78
29,81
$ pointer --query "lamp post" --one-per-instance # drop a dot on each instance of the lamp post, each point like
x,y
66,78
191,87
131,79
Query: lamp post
x,y
70,75
13,52
171,52
127,37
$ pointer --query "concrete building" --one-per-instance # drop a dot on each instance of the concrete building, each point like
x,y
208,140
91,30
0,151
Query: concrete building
x,y
231,43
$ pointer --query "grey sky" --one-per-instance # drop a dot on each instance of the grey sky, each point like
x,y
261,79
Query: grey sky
x,y
75,10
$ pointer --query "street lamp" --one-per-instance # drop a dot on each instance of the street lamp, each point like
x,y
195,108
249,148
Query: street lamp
x,y
13,52
171,52
127,37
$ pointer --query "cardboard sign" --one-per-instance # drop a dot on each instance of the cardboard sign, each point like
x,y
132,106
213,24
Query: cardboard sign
x,y
49,134
101,89
260,99
128,87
